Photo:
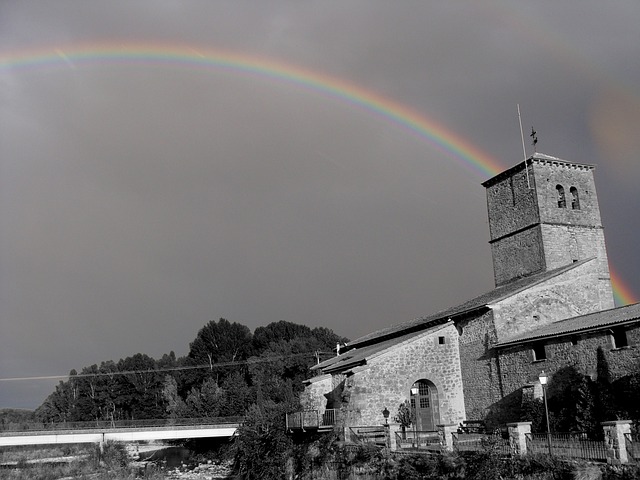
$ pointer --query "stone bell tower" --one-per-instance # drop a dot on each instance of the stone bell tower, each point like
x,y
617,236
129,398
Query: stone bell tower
x,y
546,216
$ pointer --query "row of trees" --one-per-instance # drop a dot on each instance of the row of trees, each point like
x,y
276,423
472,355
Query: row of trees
x,y
227,369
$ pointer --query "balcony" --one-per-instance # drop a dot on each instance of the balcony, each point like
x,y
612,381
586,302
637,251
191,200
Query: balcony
x,y
311,420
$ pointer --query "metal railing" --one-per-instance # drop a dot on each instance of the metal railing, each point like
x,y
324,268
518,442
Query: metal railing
x,y
571,445
310,419
376,435
475,442
412,439
115,424
632,442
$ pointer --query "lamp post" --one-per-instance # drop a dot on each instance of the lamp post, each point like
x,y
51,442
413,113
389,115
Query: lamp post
x,y
414,411
543,381
385,414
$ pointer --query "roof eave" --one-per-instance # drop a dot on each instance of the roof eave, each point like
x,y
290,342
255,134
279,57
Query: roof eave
x,y
579,331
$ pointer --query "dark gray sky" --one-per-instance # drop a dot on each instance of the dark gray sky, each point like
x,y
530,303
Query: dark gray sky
x,y
140,200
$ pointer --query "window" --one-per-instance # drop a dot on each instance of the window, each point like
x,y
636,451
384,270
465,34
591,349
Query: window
x,y
562,201
423,388
424,402
441,340
575,201
619,338
539,352
413,403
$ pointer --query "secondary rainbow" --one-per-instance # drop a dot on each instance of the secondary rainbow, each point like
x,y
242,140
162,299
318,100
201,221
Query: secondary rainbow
x,y
436,134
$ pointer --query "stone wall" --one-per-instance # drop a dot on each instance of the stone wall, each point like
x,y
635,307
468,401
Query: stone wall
x,y
314,395
479,374
564,296
550,174
519,368
530,233
518,255
511,203
387,378
570,294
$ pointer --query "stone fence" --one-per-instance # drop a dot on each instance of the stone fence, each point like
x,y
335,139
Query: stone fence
x,y
616,447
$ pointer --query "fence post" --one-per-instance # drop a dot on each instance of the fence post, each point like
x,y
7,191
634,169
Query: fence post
x,y
614,439
518,436
392,429
446,431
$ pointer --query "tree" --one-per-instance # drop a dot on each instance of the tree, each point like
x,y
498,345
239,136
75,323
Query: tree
x,y
263,449
406,416
604,403
217,342
174,405
585,408
238,395
205,401
221,342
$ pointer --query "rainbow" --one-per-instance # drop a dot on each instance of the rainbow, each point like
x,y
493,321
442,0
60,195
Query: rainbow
x,y
436,134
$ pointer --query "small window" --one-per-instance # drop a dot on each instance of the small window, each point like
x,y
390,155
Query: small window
x,y
539,352
562,201
413,403
423,388
619,338
575,201
574,341
441,340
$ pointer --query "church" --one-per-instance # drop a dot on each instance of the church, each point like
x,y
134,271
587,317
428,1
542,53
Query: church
x,y
552,307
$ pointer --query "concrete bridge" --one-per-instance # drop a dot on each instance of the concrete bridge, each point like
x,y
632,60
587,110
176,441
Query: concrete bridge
x,y
102,432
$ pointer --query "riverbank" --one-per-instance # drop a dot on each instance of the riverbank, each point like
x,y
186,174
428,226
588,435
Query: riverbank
x,y
155,461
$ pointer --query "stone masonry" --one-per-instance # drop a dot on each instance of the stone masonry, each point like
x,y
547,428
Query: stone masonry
x,y
387,378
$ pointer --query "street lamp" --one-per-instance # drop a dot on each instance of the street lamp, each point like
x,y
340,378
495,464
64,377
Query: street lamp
x,y
414,409
543,381
385,414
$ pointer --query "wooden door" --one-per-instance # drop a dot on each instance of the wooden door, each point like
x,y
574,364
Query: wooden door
x,y
426,404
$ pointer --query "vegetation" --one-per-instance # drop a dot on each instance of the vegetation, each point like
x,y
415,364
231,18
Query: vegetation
x,y
365,462
580,403
226,371
231,372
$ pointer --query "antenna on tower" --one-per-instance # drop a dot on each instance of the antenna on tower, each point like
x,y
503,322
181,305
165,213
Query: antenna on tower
x,y
524,151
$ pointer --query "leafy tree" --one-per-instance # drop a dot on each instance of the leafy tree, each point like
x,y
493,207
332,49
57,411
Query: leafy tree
x,y
532,410
205,401
604,404
216,342
174,405
238,395
585,408
406,416
221,342
263,449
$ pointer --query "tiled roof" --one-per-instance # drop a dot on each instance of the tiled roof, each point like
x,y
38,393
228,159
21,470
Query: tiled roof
x,y
359,356
583,323
476,303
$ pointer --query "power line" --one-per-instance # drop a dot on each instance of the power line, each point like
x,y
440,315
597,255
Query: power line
x,y
250,361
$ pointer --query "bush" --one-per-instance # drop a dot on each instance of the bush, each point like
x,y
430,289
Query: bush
x,y
113,455
423,467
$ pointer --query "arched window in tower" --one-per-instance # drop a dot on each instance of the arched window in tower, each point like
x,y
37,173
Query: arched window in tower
x,y
575,201
562,201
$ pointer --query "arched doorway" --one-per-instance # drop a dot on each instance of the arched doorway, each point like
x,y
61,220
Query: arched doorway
x,y
424,401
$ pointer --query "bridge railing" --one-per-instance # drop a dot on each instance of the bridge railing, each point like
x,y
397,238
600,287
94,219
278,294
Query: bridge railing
x,y
109,424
